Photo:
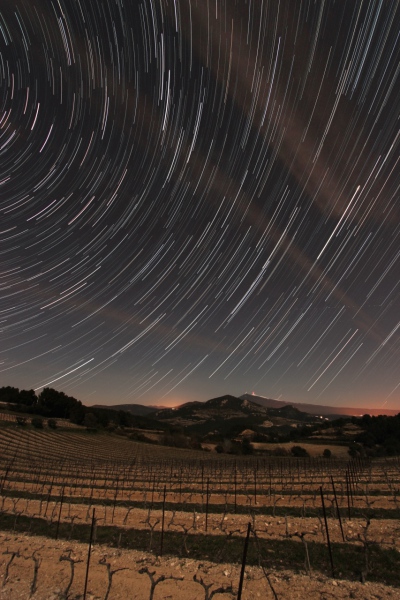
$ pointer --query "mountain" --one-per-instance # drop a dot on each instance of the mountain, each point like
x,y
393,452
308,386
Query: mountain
x,y
315,409
198,412
139,410
228,415
291,413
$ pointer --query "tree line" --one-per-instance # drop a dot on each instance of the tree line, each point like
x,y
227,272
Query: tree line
x,y
52,404
377,436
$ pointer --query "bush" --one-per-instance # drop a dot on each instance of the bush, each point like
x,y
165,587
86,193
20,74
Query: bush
x,y
247,447
356,450
21,421
52,423
37,422
90,422
327,453
280,451
299,451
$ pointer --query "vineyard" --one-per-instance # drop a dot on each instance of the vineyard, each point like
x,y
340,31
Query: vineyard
x,y
163,521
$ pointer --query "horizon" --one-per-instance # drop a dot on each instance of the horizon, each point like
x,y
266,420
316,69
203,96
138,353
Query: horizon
x,y
354,410
195,202
302,406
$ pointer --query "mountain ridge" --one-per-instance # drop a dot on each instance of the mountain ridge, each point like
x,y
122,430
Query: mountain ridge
x,y
319,409
229,415
138,410
313,409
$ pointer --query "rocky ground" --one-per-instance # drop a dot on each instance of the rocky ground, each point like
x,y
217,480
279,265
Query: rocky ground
x,y
44,569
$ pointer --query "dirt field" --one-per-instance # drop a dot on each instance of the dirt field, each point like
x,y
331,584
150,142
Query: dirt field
x,y
195,509
129,573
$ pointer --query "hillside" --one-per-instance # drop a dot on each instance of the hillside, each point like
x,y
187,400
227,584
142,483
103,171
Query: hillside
x,y
330,412
139,410
228,415
319,409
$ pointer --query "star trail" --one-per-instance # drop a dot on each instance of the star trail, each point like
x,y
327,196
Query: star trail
x,y
201,197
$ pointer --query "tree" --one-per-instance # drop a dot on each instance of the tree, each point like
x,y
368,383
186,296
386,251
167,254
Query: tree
x,y
53,403
77,414
299,451
37,422
327,453
90,422
280,451
392,445
247,447
27,397
9,394
355,450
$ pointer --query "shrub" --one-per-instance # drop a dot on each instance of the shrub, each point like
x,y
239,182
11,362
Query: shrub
x,y
280,451
21,421
37,422
247,447
356,450
299,451
327,453
90,422
52,423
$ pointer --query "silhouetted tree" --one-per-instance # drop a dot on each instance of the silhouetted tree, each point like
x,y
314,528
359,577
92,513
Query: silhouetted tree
x,y
90,421
247,447
299,451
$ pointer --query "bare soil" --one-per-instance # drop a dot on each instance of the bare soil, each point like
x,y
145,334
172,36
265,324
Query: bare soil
x,y
130,576
54,483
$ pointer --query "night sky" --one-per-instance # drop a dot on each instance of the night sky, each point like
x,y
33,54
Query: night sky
x,y
200,198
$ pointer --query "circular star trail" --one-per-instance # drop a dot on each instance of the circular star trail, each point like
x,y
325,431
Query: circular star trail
x,y
200,198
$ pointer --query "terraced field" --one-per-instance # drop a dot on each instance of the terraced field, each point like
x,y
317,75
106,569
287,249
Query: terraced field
x,y
145,501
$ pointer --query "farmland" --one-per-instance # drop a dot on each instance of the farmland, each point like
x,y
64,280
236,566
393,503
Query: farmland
x,y
154,509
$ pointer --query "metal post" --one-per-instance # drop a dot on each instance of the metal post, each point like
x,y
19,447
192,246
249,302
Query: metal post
x,y
162,522
246,545
327,532
88,557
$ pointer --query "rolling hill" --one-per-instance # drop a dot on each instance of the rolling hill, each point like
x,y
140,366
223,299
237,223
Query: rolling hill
x,y
139,410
